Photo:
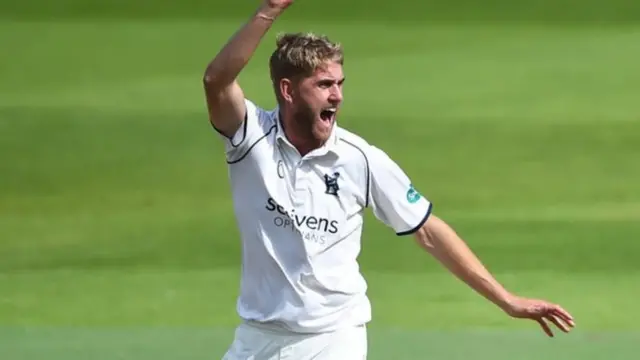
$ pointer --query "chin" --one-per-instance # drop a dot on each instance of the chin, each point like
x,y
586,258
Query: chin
x,y
324,126
322,135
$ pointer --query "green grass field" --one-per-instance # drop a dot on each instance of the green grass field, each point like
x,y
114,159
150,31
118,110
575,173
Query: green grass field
x,y
116,233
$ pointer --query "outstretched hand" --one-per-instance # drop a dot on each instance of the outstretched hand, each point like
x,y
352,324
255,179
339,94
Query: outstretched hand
x,y
542,312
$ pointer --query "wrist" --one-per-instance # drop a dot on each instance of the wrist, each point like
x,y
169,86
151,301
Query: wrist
x,y
268,13
506,301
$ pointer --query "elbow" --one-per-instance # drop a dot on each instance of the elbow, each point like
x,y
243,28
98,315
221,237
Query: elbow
x,y
210,79
213,78
216,84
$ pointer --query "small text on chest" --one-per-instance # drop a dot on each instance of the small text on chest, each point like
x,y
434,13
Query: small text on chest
x,y
297,221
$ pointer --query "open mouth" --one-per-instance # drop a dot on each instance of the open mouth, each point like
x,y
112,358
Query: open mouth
x,y
328,114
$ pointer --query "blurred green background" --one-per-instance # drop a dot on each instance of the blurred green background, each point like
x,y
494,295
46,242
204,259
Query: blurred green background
x,y
540,11
519,120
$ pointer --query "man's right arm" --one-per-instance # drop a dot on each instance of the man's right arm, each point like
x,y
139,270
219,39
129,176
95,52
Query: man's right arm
x,y
225,98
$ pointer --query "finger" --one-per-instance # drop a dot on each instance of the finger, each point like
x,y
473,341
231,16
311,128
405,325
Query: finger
x,y
561,325
566,320
563,314
545,327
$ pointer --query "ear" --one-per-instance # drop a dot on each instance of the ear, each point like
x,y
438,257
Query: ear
x,y
287,90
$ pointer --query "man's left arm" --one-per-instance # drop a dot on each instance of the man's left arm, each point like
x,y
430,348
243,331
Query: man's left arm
x,y
398,204
441,241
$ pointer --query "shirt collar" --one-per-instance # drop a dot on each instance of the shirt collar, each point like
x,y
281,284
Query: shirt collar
x,y
329,146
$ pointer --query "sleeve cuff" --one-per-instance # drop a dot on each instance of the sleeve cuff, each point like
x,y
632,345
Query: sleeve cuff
x,y
240,135
419,225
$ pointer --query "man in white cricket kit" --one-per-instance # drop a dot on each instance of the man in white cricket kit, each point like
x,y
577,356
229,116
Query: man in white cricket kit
x,y
300,187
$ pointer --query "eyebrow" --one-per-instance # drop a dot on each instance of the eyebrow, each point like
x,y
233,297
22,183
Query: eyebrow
x,y
325,80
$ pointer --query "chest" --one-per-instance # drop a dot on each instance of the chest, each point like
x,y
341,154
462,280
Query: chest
x,y
319,185
317,192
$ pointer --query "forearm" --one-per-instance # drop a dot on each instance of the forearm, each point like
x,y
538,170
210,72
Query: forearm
x,y
223,70
440,240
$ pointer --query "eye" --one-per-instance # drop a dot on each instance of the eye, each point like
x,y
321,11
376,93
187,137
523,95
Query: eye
x,y
325,84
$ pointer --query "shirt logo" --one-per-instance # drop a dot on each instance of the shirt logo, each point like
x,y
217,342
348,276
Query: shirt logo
x,y
413,195
318,230
331,183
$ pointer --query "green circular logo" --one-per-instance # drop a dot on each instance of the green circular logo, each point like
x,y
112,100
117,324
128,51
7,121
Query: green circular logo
x,y
413,195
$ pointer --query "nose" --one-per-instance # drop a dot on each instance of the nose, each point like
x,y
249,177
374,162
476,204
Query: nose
x,y
336,95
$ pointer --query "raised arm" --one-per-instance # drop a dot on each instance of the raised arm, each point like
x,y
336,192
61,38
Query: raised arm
x,y
225,98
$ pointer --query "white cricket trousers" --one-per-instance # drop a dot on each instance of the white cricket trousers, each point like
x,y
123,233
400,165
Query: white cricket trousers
x,y
257,343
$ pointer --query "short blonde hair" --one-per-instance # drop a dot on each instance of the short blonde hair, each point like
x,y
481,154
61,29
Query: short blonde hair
x,y
300,54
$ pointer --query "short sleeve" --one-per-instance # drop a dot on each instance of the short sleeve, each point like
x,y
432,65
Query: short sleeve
x,y
394,199
248,134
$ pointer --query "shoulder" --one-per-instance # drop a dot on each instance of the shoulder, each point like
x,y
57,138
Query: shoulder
x,y
255,130
257,114
350,142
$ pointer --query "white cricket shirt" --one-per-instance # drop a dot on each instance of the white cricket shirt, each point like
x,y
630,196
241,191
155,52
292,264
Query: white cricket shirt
x,y
300,222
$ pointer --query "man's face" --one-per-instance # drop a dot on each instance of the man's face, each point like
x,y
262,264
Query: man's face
x,y
316,102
